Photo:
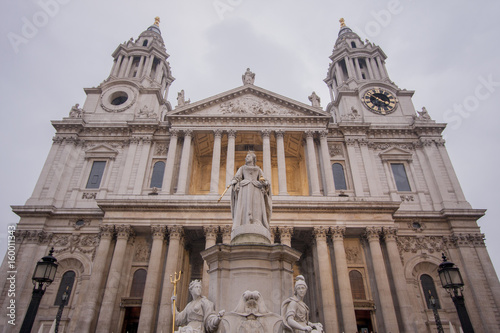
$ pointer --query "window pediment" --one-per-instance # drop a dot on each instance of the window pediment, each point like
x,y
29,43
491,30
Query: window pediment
x,y
396,154
101,151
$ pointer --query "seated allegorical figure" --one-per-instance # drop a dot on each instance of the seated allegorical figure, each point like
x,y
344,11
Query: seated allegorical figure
x,y
199,315
295,312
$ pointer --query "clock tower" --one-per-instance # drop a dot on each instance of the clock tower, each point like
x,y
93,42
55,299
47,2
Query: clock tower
x,y
360,87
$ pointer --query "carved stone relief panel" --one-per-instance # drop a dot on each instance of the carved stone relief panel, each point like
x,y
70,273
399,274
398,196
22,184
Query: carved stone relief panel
x,y
353,251
142,250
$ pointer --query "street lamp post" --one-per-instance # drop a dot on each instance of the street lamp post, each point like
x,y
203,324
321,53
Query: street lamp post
x,y
452,281
64,299
43,276
432,300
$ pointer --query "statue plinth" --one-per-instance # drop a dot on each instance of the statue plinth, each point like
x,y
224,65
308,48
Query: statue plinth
x,y
250,234
233,269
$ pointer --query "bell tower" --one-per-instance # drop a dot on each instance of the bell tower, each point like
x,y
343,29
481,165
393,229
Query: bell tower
x,y
359,84
138,84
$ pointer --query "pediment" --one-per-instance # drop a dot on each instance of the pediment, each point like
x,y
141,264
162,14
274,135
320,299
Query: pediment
x,y
396,154
248,101
101,151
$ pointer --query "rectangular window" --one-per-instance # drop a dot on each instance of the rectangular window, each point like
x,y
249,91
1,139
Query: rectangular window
x,y
96,174
399,172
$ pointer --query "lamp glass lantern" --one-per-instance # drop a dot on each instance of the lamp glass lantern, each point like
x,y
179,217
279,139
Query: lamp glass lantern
x,y
45,270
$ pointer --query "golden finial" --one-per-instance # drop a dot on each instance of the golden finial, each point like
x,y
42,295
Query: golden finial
x,y
157,21
342,22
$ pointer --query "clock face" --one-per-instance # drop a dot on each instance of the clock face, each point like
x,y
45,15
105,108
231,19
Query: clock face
x,y
380,101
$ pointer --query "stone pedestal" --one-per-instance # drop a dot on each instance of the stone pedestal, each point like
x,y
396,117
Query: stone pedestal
x,y
233,269
250,234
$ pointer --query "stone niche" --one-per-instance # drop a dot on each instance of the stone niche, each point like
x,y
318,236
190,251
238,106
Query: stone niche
x,y
234,269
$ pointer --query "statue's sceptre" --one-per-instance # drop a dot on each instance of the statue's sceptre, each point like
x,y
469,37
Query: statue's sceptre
x,y
227,188
174,282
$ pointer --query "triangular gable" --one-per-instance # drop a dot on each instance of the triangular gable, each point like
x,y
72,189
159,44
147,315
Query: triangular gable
x,y
395,154
101,151
248,101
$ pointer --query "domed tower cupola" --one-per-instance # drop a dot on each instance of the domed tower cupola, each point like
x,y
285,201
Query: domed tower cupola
x,y
354,63
151,35
144,61
347,36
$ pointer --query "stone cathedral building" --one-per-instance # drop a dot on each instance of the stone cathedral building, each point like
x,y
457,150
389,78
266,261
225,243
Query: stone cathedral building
x,y
363,188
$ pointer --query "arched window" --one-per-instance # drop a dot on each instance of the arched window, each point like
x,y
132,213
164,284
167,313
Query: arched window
x,y
339,176
67,281
145,43
357,285
157,177
353,45
429,289
138,283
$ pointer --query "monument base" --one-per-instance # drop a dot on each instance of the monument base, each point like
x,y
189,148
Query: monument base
x,y
250,234
234,269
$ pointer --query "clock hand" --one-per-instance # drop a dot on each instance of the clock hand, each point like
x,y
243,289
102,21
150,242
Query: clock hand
x,y
381,100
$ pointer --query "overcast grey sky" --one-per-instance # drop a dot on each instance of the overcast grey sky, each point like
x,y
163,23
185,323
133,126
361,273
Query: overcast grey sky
x,y
447,51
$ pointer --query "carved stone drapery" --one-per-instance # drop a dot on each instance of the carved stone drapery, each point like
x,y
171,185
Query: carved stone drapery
x,y
461,240
33,236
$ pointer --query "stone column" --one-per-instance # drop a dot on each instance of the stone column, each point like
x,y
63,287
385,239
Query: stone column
x,y
353,163
184,167
129,163
152,287
374,68
311,163
231,136
210,240
145,145
326,280
330,186
450,171
149,65
274,233
159,72
370,169
123,233
169,165
141,65
286,235
346,301
339,74
382,281
118,65
129,66
165,312
214,179
369,67
399,278
383,72
226,234
350,74
432,155
90,304
280,147
266,155
358,70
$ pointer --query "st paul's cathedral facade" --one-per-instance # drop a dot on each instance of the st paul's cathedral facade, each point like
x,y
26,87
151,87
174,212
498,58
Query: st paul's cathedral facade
x,y
362,188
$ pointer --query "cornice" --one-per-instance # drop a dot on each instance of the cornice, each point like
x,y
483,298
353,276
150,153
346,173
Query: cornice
x,y
52,211
308,206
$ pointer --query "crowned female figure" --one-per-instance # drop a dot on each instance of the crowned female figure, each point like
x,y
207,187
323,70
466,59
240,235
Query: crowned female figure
x,y
251,195
296,313
199,315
